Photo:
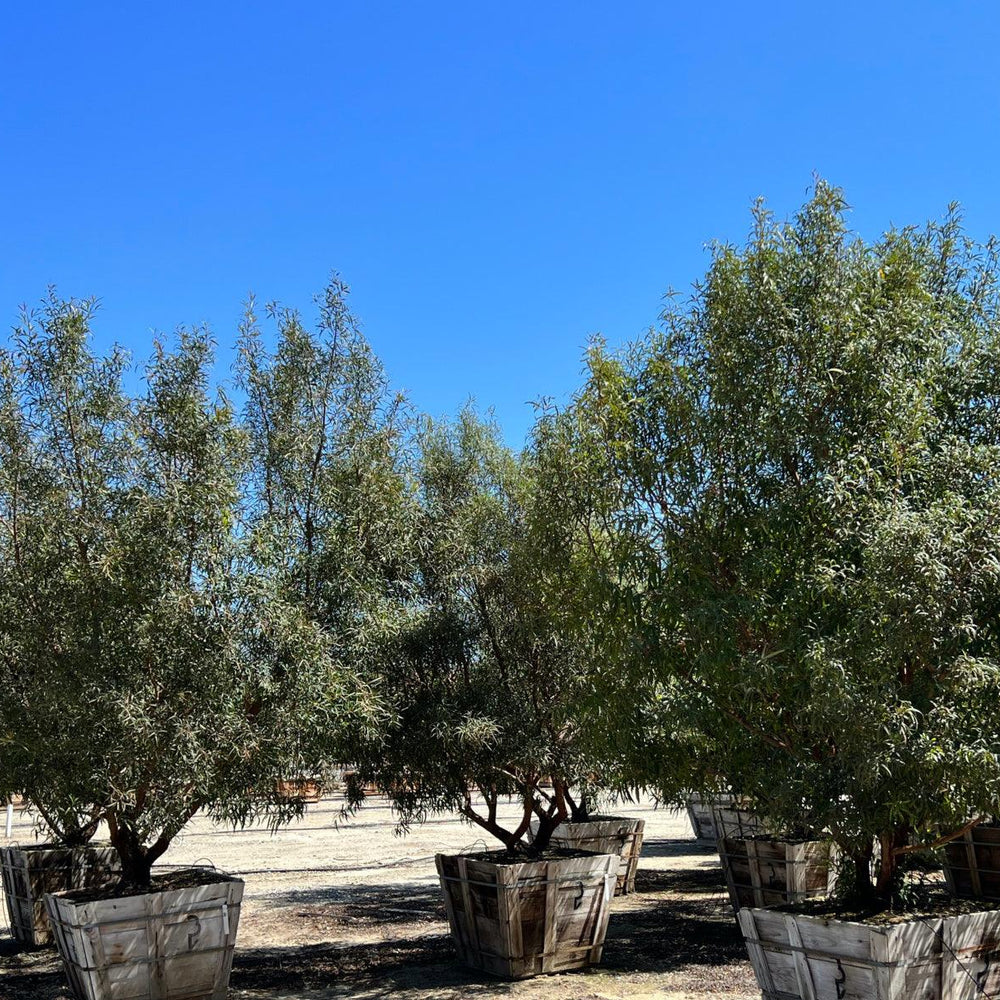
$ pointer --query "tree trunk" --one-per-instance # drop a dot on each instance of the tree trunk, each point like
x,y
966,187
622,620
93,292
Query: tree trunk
x,y
579,811
490,825
543,833
549,819
137,862
863,887
888,871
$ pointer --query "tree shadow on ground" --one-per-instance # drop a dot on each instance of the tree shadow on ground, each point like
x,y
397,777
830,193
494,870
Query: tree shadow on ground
x,y
427,963
694,940
698,939
408,903
31,973
662,847
674,934
703,881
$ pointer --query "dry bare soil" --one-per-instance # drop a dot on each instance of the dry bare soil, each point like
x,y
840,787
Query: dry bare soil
x,y
350,909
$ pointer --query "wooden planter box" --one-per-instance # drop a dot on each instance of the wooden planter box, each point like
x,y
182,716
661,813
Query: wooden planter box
x,y
171,945
763,872
619,835
972,863
30,872
797,957
304,789
723,816
523,918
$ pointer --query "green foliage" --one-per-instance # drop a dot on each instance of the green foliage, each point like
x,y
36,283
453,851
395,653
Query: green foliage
x,y
806,520
151,663
481,675
327,487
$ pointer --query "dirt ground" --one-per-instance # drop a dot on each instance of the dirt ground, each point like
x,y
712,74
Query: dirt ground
x,y
356,911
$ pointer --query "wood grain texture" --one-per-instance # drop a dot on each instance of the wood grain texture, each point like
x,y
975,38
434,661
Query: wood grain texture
x,y
171,945
619,835
725,815
30,872
763,872
518,919
972,863
798,957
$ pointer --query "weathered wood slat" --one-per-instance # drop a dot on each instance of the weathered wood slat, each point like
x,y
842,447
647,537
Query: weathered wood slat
x,y
797,957
803,974
472,922
763,872
30,872
551,906
523,918
725,815
171,945
758,959
621,835
972,863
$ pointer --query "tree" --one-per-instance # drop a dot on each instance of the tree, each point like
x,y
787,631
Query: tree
x,y
326,487
804,467
481,678
591,585
328,500
40,757
150,667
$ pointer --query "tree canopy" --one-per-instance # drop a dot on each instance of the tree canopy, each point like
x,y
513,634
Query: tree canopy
x,y
759,550
480,671
152,665
807,520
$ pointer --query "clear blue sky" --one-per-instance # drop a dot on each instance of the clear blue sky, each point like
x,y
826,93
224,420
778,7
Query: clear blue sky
x,y
496,182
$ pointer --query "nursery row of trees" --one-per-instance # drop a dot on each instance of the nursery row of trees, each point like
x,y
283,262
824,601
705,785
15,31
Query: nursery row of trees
x,y
759,550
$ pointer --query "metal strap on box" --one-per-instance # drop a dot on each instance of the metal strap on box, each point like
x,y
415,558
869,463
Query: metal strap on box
x,y
529,882
138,918
791,949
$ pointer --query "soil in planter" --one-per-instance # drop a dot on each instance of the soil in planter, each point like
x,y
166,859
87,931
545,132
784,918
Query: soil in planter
x,y
183,878
926,900
796,837
527,854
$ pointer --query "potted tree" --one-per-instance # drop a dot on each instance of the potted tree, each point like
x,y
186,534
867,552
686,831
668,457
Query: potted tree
x,y
805,469
40,765
645,746
149,619
481,687
553,536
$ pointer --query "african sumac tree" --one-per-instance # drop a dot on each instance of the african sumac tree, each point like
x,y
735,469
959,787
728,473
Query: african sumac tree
x,y
146,656
804,459
327,495
480,675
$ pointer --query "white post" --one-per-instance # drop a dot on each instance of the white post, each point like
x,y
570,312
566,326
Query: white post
x,y
10,820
